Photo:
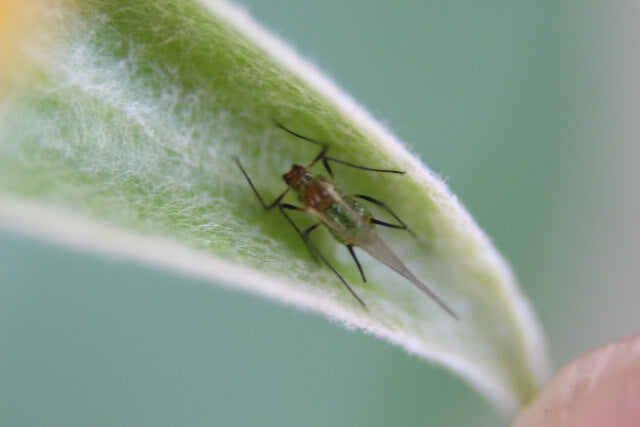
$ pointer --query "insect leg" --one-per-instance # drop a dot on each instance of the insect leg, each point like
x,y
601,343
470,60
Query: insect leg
x,y
314,250
269,206
324,145
401,225
326,160
304,235
355,258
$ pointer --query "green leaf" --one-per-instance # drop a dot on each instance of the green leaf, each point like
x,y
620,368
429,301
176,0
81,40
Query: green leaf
x,y
119,124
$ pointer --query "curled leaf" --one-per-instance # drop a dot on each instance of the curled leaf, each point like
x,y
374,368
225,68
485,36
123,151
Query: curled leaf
x,y
119,124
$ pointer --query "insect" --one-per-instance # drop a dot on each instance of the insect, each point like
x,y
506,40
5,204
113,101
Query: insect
x,y
345,216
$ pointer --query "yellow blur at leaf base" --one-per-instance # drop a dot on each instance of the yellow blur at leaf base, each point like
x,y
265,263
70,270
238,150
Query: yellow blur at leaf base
x,y
118,128
17,25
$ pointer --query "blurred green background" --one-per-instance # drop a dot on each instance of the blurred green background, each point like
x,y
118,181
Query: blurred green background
x,y
524,107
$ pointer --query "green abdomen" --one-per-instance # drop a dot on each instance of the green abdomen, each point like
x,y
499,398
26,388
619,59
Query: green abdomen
x,y
348,221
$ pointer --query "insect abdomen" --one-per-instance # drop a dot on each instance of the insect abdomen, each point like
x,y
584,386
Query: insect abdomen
x,y
349,224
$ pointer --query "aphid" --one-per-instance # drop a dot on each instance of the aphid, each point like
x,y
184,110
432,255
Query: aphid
x,y
346,218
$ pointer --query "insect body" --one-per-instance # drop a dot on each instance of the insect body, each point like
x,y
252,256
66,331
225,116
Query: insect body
x,y
345,216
